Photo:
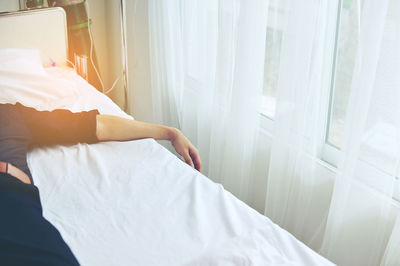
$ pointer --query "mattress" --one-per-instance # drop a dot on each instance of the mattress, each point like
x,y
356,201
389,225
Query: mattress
x,y
134,202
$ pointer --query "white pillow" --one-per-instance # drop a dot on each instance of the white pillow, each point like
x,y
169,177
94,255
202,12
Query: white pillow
x,y
23,79
20,60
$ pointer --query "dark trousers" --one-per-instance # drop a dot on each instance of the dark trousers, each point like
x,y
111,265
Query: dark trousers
x,y
26,237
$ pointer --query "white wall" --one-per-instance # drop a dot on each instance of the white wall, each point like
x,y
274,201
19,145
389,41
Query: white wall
x,y
106,31
9,5
113,39
97,13
138,60
105,17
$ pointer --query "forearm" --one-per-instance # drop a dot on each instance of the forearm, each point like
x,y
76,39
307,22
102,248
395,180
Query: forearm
x,y
117,128
110,127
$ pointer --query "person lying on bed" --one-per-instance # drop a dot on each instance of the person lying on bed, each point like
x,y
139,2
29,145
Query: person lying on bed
x,y
26,237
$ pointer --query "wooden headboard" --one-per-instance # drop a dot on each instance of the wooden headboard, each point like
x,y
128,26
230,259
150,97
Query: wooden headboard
x,y
44,29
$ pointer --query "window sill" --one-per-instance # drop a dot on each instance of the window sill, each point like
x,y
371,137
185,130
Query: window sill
x,y
329,156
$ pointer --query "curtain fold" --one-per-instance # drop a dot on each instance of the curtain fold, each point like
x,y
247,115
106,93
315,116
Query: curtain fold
x,y
166,61
299,116
207,79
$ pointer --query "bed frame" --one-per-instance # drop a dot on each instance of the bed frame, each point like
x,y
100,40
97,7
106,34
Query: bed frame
x,y
44,29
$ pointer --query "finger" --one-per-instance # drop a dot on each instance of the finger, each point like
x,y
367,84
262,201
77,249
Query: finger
x,y
196,159
197,163
188,159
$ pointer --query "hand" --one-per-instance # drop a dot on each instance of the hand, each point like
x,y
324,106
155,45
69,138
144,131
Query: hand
x,y
185,148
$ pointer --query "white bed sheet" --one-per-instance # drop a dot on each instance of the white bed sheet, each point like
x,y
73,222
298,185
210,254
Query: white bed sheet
x,y
135,203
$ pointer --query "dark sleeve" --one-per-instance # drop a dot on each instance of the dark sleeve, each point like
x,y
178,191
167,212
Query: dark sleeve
x,y
59,126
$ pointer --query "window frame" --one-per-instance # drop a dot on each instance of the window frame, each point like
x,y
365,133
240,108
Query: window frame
x,y
329,153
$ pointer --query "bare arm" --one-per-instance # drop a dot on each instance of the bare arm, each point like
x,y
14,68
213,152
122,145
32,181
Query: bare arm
x,y
117,128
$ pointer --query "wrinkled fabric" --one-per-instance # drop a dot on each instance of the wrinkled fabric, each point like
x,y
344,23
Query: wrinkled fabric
x,y
135,203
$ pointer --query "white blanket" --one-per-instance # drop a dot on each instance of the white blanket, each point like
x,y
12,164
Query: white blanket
x,y
135,203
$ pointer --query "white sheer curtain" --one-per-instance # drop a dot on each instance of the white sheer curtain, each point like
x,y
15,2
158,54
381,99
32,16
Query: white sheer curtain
x,y
359,220
301,97
359,216
207,61
392,253
166,61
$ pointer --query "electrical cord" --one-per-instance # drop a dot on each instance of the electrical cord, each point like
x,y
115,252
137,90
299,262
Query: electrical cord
x,y
70,63
91,48
74,69
91,57
113,85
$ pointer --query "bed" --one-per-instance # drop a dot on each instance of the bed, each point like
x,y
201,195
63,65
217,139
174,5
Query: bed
x,y
134,203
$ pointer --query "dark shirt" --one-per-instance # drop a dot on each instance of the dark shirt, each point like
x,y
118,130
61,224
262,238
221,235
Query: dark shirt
x,y
23,127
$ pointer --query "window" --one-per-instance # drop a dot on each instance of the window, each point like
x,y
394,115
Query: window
x,y
378,151
379,148
346,44
272,57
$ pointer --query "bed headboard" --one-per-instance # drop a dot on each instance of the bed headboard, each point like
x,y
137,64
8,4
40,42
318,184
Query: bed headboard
x,y
44,29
